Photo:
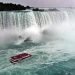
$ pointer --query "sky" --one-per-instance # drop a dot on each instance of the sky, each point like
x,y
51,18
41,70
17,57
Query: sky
x,y
43,3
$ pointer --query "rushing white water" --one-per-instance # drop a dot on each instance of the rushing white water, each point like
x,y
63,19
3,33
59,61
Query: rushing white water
x,y
34,24
51,36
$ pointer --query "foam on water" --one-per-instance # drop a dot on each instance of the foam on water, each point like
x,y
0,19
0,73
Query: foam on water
x,y
49,43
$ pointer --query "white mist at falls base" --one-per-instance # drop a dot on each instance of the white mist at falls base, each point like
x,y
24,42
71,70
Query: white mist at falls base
x,y
33,33
48,36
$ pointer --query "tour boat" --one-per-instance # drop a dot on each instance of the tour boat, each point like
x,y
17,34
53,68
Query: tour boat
x,y
15,59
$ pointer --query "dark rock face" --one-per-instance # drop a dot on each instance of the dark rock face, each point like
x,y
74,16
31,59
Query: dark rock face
x,y
26,40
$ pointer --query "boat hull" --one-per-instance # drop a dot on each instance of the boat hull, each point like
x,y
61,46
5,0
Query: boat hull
x,y
15,59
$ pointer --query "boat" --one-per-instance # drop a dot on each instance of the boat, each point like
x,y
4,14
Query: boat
x,y
17,58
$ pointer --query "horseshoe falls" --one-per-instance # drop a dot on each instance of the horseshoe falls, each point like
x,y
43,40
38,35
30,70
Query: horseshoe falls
x,y
49,36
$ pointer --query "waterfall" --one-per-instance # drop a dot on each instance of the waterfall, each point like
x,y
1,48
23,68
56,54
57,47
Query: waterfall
x,y
34,23
23,19
15,19
49,36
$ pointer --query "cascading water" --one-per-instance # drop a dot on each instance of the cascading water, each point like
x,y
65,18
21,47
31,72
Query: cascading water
x,y
16,19
47,35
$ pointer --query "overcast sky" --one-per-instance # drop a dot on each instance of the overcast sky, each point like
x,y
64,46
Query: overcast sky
x,y
43,3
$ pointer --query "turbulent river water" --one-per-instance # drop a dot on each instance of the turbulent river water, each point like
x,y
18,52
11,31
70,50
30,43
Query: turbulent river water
x,y
49,36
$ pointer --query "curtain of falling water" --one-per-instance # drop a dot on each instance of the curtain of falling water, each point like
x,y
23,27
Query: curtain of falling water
x,y
24,19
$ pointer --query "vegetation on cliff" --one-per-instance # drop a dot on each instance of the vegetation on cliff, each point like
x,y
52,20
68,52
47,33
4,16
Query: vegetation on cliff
x,y
11,7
